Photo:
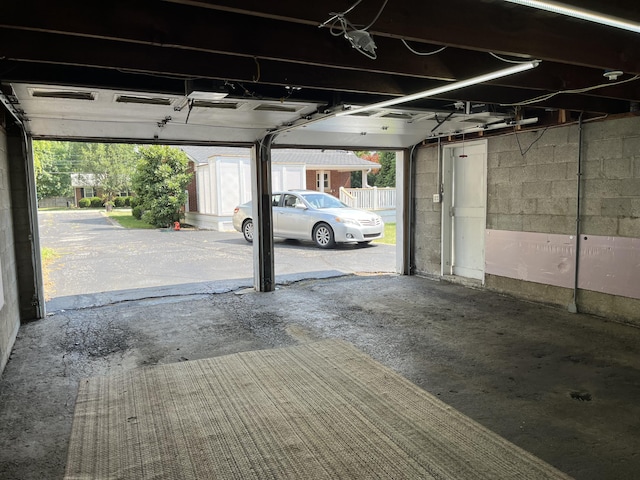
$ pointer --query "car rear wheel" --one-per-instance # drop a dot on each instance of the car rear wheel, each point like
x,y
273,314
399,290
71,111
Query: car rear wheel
x,y
247,230
323,236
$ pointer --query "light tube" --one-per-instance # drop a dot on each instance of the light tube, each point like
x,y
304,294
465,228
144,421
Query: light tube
x,y
521,67
580,13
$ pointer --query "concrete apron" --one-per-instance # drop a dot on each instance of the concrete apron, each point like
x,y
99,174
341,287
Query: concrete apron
x,y
564,387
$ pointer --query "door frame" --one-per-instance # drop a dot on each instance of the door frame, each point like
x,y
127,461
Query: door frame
x,y
446,264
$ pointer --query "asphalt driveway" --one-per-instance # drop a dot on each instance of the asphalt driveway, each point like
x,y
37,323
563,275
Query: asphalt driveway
x,y
101,262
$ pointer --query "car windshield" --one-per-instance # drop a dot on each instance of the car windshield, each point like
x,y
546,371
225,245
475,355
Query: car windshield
x,y
322,200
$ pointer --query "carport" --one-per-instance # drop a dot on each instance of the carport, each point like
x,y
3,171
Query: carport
x,y
546,101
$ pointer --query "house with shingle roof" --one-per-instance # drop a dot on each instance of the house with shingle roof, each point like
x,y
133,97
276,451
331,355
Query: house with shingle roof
x,y
222,178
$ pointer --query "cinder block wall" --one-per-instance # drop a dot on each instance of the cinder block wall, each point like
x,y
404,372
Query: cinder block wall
x,y
427,214
9,311
532,187
532,181
611,200
612,178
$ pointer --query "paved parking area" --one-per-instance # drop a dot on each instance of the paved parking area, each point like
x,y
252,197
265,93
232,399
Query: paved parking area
x,y
100,261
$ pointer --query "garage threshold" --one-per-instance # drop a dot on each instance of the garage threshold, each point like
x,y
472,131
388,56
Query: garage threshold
x,y
99,299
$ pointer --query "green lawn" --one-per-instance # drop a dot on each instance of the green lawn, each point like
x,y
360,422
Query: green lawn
x,y
389,234
129,221
48,255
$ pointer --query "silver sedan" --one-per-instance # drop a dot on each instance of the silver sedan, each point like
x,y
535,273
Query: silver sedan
x,y
317,216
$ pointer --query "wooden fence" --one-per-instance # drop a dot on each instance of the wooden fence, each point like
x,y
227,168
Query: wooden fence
x,y
373,198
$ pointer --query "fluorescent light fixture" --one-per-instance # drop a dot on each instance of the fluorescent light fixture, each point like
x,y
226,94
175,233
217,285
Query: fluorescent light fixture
x,y
521,67
580,13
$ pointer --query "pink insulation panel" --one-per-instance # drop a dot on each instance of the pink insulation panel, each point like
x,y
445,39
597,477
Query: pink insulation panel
x,y
606,264
610,265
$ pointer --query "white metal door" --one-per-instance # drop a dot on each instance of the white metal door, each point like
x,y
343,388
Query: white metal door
x,y
465,176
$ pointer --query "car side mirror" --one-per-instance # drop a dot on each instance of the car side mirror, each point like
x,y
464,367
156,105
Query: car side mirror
x,y
301,206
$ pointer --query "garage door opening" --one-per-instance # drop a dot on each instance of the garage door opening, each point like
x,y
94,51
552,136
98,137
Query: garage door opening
x,y
97,247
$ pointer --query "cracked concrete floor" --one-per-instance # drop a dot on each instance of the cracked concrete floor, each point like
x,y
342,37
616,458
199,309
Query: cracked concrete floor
x,y
564,387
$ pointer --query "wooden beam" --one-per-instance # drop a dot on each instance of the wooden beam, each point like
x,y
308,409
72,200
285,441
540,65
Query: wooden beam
x,y
169,61
37,46
149,22
490,26
153,59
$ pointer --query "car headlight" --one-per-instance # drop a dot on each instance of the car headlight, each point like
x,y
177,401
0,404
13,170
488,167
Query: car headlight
x,y
347,221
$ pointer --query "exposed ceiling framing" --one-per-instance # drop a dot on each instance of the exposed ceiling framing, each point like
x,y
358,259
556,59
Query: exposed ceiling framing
x,y
256,52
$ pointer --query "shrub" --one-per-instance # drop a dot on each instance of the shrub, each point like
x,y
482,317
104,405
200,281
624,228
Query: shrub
x,y
134,201
161,176
84,203
137,212
127,201
96,202
118,202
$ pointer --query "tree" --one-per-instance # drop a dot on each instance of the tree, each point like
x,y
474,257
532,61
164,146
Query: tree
x,y
109,166
386,176
356,177
159,181
53,163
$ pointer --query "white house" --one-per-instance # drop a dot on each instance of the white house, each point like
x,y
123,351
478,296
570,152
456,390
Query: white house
x,y
222,178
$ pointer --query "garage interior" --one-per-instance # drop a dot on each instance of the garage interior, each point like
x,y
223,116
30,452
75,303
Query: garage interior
x,y
518,254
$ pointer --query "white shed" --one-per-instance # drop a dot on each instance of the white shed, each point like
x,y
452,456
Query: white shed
x,y
223,181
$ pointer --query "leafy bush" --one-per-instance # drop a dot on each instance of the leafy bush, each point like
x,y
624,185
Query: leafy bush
x,y
134,201
127,201
96,202
160,180
84,203
118,202
137,212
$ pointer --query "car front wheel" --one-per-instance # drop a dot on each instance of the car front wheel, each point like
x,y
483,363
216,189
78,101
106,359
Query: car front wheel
x,y
323,236
247,230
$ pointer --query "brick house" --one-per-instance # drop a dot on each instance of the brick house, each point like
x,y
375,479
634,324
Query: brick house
x,y
84,186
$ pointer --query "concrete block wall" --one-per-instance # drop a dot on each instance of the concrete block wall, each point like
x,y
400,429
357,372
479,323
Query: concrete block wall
x,y
611,200
427,213
9,311
532,187
532,181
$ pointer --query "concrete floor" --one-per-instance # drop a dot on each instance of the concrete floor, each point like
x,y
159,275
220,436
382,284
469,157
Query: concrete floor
x,y
564,387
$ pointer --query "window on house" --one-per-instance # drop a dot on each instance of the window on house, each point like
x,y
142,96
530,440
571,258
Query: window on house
x,y
88,192
322,179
